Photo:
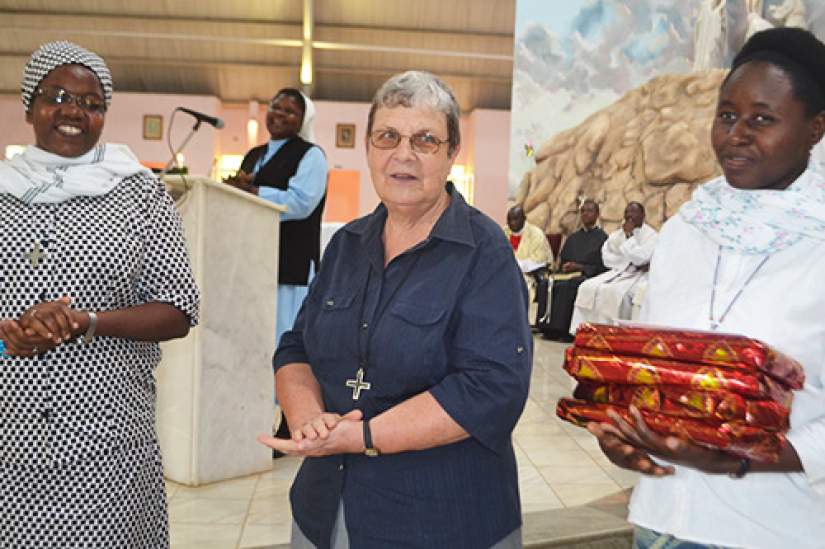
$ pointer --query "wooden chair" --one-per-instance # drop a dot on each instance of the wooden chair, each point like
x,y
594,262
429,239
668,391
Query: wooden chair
x,y
554,239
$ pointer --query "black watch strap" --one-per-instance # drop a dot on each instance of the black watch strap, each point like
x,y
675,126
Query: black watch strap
x,y
369,449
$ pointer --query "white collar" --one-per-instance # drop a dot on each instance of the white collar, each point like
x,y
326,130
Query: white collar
x,y
38,176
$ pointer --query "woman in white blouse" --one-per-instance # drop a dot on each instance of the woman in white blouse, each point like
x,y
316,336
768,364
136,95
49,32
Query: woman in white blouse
x,y
746,255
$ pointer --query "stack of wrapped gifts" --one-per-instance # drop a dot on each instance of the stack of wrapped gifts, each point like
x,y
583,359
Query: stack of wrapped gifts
x,y
723,391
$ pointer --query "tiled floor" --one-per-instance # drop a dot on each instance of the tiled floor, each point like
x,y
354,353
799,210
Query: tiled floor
x,y
559,466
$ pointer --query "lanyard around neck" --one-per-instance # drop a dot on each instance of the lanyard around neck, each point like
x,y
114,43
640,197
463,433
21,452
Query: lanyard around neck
x,y
713,322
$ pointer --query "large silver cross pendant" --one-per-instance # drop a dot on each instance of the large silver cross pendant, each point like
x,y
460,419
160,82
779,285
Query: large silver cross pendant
x,y
36,255
358,384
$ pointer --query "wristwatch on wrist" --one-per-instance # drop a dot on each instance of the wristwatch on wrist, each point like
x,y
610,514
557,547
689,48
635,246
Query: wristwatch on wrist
x,y
369,449
90,331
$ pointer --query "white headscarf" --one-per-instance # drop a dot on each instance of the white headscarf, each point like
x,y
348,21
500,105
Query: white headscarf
x,y
759,221
307,132
38,176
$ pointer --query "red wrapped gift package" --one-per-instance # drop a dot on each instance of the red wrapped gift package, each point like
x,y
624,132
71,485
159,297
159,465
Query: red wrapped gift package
x,y
675,400
723,391
712,348
587,365
736,438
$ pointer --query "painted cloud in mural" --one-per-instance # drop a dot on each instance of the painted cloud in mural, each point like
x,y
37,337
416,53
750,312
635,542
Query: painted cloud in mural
x,y
574,58
582,57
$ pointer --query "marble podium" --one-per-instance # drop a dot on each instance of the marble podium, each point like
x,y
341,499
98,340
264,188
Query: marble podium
x,y
215,387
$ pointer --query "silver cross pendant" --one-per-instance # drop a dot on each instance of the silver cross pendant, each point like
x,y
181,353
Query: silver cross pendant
x,y
358,384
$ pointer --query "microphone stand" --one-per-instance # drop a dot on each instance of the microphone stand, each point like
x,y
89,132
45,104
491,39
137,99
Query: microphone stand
x,y
174,160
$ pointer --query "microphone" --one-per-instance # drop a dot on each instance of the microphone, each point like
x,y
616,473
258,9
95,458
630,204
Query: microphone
x,y
211,120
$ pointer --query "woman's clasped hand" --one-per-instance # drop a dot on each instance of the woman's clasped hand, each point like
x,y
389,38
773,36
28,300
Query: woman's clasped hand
x,y
42,327
323,435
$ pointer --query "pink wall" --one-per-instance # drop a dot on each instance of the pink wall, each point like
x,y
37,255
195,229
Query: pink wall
x,y
15,129
327,115
466,151
484,133
124,124
490,136
232,139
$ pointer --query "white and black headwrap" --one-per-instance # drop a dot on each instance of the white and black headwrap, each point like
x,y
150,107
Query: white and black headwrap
x,y
56,54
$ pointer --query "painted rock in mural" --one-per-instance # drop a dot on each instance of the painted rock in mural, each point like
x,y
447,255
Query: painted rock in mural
x,y
652,146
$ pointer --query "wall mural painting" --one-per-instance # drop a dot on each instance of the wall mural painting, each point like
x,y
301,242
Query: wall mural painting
x,y
613,100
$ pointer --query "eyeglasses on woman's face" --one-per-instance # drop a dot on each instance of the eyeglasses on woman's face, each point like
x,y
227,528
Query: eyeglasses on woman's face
x,y
421,142
91,103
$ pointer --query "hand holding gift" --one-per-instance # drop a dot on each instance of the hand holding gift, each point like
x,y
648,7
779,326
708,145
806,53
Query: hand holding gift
x,y
694,398
631,443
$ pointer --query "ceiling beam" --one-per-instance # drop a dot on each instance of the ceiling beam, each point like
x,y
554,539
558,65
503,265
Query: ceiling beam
x,y
117,33
240,21
144,17
341,46
338,69
331,69
274,42
425,37
163,62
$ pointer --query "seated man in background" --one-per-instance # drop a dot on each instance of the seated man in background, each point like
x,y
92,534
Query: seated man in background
x,y
532,252
581,258
627,254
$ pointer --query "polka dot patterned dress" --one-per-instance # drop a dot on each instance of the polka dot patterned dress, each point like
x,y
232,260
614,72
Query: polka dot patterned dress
x,y
79,460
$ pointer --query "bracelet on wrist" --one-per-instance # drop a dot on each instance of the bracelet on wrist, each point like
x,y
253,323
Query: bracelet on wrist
x,y
90,331
742,470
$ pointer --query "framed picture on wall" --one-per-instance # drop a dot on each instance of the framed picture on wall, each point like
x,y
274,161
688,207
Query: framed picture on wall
x,y
152,127
345,136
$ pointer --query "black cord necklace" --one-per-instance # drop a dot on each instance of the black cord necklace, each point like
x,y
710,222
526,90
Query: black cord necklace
x,y
359,384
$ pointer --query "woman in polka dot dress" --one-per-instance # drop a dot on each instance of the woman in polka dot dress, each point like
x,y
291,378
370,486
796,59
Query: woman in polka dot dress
x,y
93,274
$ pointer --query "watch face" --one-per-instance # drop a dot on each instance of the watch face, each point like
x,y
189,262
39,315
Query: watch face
x,y
371,452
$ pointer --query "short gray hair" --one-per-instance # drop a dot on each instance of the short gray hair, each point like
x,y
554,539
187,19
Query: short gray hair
x,y
419,89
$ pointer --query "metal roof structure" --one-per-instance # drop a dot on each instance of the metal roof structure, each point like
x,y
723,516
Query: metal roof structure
x,y
241,50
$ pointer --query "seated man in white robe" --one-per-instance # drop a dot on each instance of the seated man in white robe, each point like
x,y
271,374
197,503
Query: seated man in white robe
x,y
533,253
627,252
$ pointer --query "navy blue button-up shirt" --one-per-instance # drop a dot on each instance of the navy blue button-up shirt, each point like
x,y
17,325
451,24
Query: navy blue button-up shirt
x,y
449,317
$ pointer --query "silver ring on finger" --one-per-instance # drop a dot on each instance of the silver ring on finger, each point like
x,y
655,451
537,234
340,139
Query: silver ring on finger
x,y
34,350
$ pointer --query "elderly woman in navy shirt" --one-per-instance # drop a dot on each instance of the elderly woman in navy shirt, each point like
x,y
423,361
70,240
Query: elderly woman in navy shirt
x,y
409,363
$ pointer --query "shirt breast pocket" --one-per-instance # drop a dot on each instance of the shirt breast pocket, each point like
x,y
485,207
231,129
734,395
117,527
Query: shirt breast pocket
x,y
413,342
331,331
418,315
